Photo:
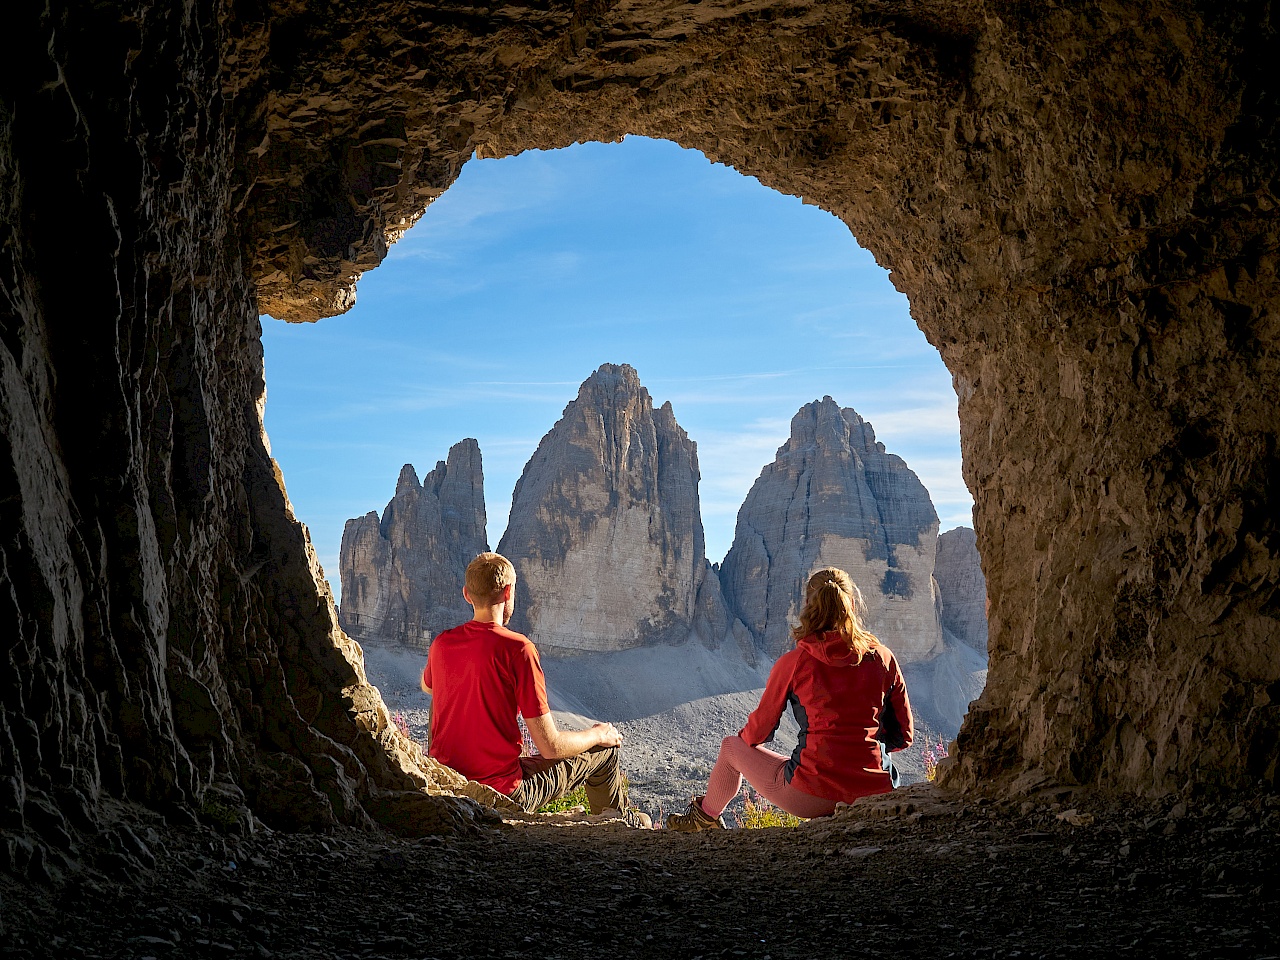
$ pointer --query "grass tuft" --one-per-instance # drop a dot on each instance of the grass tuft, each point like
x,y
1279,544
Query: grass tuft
x,y
758,813
932,752
574,798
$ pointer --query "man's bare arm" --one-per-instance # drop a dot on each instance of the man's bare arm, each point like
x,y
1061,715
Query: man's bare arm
x,y
556,744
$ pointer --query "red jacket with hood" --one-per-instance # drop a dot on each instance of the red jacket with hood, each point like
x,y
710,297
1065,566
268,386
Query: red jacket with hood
x,y
838,703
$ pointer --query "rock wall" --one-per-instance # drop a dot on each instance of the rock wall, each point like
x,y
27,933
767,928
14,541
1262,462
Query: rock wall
x,y
167,638
1080,203
402,575
962,589
834,497
605,529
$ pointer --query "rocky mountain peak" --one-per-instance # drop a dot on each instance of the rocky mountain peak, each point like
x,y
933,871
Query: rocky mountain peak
x,y
402,573
408,480
824,423
614,391
605,530
834,496
611,378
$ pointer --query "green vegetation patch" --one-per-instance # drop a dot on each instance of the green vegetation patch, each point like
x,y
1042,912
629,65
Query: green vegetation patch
x,y
758,813
574,798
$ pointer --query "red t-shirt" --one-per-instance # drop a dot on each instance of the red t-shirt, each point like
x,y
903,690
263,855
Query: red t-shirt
x,y
480,675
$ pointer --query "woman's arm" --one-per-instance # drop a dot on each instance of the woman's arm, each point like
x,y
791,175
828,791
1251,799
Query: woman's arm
x,y
763,722
897,697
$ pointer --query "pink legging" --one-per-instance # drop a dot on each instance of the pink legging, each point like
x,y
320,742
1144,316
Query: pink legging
x,y
765,771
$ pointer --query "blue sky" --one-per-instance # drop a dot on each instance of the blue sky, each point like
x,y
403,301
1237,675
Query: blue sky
x,y
734,302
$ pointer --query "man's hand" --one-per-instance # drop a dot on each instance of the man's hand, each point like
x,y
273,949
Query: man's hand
x,y
556,744
610,736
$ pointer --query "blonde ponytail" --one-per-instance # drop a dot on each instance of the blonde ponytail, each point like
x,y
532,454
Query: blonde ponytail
x,y
832,601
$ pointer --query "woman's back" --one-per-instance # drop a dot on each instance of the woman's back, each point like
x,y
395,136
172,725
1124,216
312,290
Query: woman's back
x,y
837,682
837,699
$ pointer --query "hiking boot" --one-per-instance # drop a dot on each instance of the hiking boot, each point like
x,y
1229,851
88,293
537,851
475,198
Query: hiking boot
x,y
694,819
630,816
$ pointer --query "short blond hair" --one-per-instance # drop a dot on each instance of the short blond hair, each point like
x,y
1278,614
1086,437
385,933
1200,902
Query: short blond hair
x,y
487,576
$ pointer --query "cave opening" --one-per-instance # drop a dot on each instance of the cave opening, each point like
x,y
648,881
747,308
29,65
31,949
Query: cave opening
x,y
1081,208
1042,264
738,305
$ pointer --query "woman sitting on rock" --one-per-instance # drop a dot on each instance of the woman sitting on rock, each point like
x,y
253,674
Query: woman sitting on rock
x,y
842,684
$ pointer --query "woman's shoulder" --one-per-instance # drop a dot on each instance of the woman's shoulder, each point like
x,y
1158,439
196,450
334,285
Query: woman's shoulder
x,y
789,655
880,655
886,657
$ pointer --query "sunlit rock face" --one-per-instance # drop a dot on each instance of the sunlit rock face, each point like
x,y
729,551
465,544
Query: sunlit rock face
x,y
605,530
402,574
962,589
1080,205
834,497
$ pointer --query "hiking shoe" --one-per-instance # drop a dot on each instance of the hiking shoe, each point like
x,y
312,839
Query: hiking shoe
x,y
694,819
630,816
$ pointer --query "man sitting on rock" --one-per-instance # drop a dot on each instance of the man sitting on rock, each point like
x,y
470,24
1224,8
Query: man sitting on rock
x,y
480,675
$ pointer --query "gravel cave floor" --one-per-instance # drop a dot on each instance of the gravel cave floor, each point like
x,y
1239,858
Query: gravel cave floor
x,y
916,874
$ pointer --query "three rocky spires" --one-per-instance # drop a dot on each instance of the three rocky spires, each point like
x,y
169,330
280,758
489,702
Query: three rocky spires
x,y
606,535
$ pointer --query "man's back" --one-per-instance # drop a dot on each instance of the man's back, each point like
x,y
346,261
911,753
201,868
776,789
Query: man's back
x,y
480,675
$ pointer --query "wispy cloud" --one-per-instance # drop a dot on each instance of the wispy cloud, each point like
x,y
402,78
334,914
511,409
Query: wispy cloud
x,y
351,340
726,378
955,515
341,445
895,427
941,477
506,445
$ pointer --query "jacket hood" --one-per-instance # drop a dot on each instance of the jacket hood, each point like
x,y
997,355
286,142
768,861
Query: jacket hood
x,y
828,647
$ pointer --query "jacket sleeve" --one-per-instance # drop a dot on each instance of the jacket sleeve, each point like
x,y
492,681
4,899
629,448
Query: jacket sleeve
x,y
896,696
763,721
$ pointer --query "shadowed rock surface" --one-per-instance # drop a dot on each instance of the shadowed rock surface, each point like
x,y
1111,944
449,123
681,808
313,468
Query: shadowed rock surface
x,y
1081,205
962,589
605,530
402,575
834,497
966,879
